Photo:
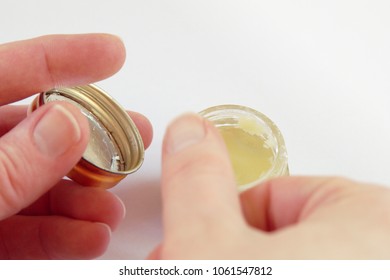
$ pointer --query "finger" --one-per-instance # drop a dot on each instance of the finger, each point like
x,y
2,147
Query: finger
x,y
155,253
144,126
11,115
199,192
77,202
52,237
288,200
38,152
39,64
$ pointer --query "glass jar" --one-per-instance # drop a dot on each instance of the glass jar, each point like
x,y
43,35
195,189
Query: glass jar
x,y
255,144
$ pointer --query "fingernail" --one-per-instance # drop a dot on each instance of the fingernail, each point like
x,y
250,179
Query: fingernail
x,y
184,132
107,227
56,132
123,206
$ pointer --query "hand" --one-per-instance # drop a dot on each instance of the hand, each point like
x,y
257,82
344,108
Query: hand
x,y
285,218
41,215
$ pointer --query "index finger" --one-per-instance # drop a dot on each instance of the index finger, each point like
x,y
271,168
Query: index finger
x,y
39,64
289,200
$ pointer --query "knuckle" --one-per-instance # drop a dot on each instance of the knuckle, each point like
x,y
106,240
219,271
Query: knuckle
x,y
12,174
45,57
327,191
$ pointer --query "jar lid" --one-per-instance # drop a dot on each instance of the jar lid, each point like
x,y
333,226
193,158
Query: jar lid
x,y
115,148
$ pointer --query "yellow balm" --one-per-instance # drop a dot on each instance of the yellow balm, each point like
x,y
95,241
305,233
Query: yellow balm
x,y
250,125
255,145
249,154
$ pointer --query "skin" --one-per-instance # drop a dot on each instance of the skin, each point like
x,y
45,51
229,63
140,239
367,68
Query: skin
x,y
43,216
285,218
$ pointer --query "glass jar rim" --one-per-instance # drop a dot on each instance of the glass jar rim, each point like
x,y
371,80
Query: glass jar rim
x,y
232,112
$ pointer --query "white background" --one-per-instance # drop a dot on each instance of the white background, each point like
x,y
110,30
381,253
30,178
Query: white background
x,y
319,69
197,270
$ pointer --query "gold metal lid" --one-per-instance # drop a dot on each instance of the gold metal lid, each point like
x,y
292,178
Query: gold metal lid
x,y
115,148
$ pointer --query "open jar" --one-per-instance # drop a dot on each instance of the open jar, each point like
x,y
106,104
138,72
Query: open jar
x,y
255,144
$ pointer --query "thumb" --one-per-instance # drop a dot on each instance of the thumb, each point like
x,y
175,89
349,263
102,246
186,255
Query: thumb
x,y
39,152
198,186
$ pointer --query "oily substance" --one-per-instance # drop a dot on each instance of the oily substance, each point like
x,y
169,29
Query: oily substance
x,y
250,153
